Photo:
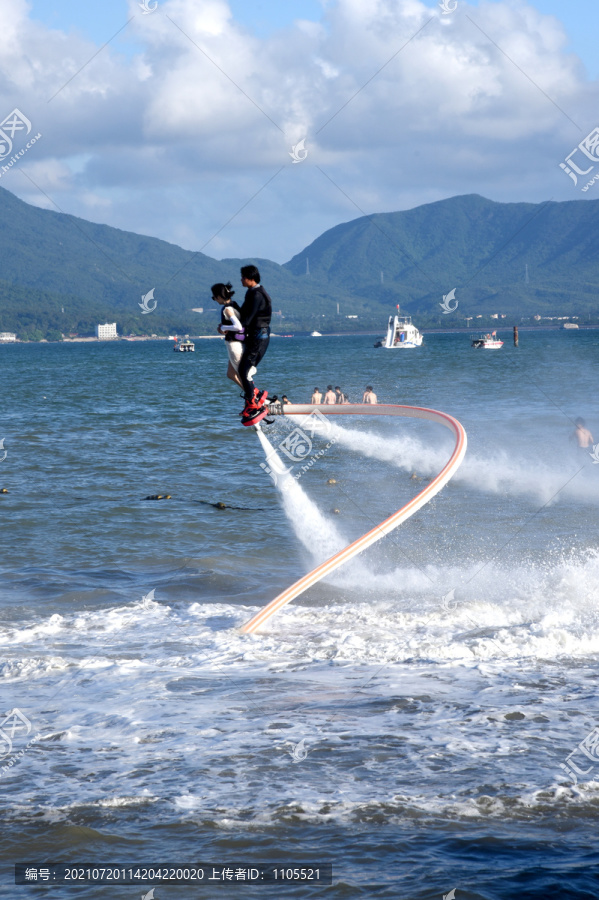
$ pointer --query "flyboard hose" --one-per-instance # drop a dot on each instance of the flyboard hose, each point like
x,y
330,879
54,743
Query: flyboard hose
x,y
379,531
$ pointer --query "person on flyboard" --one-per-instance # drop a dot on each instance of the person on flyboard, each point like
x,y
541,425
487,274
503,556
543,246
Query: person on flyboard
x,y
231,328
255,315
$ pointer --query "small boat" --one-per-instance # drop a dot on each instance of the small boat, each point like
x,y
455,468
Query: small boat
x,y
569,325
487,342
401,334
316,334
184,346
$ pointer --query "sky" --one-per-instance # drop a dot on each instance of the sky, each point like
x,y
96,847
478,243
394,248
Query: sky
x,y
179,119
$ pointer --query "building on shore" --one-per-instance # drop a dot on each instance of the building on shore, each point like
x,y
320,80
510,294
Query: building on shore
x,y
7,337
106,332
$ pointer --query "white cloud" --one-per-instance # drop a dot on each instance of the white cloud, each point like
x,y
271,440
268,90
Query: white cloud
x,y
174,141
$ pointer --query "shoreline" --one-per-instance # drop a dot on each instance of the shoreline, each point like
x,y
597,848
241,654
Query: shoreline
x,y
217,337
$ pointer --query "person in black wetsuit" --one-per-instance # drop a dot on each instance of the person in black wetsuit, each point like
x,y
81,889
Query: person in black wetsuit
x,y
255,315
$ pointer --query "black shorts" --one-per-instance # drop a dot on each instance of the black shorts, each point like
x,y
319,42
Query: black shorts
x,y
254,348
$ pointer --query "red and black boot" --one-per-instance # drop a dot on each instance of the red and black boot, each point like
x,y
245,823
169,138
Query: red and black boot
x,y
255,409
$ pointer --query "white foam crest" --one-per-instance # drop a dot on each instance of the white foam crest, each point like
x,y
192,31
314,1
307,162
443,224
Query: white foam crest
x,y
496,473
394,808
110,621
317,533
306,806
570,583
44,628
547,612
550,611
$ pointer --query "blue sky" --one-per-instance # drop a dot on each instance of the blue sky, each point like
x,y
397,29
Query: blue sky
x,y
100,20
183,126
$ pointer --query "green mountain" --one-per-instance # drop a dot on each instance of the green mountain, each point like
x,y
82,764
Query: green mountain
x,y
485,250
62,274
52,261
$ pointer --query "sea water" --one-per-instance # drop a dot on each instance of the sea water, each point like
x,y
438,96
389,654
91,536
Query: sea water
x,y
424,719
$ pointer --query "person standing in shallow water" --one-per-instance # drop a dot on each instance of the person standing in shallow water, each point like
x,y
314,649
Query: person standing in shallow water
x,y
582,435
330,397
369,395
255,315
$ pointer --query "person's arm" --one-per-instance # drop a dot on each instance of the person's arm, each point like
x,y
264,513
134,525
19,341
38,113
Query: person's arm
x,y
235,323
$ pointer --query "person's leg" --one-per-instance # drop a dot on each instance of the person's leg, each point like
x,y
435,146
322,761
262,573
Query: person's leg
x,y
232,374
253,352
235,349
245,364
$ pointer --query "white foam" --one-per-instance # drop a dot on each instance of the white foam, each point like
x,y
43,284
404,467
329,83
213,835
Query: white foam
x,y
547,612
316,532
495,473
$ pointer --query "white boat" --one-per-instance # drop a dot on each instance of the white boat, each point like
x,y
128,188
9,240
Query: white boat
x,y
569,325
184,346
316,334
487,342
401,334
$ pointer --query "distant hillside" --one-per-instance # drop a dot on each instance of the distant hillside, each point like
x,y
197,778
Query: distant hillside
x,y
99,272
475,245
61,274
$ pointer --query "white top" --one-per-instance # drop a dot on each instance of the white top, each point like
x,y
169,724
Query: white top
x,y
233,319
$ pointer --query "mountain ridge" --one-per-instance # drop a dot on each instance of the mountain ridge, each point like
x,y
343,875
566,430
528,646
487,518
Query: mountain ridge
x,y
364,267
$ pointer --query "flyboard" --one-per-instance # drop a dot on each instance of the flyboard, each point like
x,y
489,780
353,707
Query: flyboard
x,y
380,531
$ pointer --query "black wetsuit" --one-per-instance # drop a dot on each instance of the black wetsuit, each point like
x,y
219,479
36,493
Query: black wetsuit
x,y
255,315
